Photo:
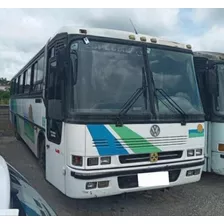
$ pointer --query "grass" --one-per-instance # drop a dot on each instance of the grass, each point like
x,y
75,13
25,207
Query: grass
x,y
4,102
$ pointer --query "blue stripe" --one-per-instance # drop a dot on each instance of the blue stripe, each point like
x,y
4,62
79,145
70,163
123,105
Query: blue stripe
x,y
100,133
29,211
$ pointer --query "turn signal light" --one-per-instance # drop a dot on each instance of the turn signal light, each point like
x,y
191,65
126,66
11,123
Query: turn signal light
x,y
221,147
77,160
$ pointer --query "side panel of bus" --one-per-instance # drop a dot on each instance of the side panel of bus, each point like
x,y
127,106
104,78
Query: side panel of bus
x,y
217,153
29,119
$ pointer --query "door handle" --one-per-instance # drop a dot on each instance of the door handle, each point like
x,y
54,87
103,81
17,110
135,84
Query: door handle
x,y
47,146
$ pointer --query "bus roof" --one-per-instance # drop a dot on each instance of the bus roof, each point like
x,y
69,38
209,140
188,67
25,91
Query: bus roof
x,y
111,33
210,55
119,34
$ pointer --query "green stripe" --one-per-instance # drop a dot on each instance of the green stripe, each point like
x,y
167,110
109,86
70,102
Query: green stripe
x,y
135,142
195,135
29,130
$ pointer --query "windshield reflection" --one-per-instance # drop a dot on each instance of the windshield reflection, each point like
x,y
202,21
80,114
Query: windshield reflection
x,y
108,74
105,75
173,72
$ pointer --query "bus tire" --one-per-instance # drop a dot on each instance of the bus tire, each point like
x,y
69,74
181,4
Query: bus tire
x,y
42,156
17,136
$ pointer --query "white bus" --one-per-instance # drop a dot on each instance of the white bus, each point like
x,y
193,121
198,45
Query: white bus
x,y
209,68
108,112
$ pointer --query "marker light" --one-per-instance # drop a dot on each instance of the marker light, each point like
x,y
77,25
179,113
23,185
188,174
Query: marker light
x,y
188,46
153,40
132,37
143,38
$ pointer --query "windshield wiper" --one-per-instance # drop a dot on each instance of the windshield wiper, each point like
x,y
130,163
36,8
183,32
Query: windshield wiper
x,y
134,97
173,104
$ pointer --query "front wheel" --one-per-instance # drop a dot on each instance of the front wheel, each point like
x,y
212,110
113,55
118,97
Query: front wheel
x,y
42,156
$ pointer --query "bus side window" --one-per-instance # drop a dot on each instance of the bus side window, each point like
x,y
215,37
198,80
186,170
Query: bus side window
x,y
17,86
27,81
54,122
38,75
21,84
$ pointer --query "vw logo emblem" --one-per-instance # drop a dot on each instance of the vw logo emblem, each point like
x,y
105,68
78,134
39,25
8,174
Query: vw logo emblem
x,y
155,130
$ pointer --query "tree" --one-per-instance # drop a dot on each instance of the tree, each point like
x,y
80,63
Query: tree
x,y
3,81
4,97
4,94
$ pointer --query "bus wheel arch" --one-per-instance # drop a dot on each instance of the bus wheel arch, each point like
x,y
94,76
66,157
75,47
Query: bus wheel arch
x,y
41,150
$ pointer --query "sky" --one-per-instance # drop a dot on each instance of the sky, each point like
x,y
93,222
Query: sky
x,y
25,31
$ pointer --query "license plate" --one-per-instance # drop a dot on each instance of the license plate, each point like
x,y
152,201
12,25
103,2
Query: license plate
x,y
154,179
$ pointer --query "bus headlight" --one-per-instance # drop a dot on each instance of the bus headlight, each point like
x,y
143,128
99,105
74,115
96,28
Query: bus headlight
x,y
190,152
93,161
105,160
198,152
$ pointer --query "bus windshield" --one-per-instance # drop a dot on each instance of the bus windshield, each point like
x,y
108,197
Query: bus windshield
x,y
173,72
220,96
107,76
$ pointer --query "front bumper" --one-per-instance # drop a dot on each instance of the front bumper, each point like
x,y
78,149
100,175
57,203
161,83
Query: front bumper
x,y
126,180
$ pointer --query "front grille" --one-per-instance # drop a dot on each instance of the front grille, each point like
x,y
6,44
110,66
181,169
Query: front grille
x,y
141,143
137,158
158,141
131,181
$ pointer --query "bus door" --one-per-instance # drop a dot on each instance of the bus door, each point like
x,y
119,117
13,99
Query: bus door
x,y
55,147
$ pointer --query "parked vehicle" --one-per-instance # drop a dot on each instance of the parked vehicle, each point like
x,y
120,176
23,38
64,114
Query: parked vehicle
x,y
209,68
105,111
17,196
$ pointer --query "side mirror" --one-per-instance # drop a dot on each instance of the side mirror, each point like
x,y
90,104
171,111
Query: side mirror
x,y
212,81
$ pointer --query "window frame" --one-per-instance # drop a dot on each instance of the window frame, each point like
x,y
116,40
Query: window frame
x,y
26,72
17,85
21,77
35,73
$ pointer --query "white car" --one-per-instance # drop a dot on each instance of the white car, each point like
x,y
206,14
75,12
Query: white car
x,y
18,197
